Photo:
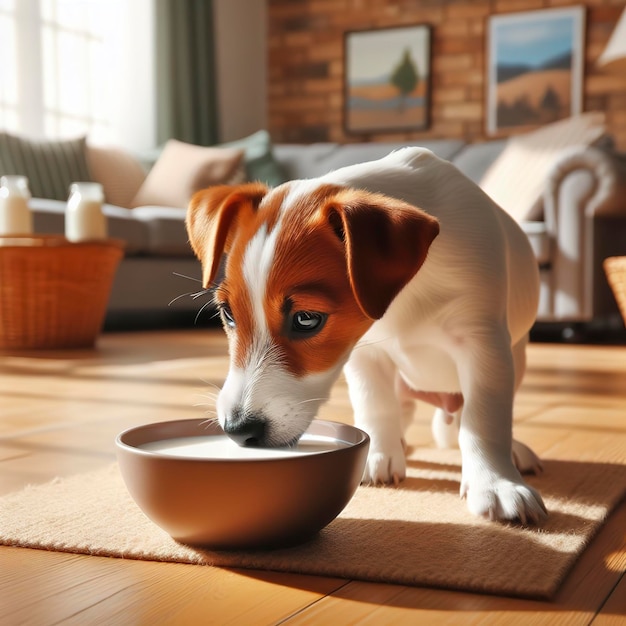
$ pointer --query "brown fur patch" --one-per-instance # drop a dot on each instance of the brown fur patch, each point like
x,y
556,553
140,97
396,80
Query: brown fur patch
x,y
309,273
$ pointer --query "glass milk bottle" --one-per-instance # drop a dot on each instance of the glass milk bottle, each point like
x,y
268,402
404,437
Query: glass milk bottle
x,y
84,218
15,215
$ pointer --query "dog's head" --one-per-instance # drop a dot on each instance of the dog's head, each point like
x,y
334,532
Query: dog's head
x,y
307,271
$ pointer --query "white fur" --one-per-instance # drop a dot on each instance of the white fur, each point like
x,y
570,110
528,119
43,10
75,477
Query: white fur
x,y
265,387
460,325
257,263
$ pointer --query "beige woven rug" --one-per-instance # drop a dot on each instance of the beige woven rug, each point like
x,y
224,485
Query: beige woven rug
x,y
417,534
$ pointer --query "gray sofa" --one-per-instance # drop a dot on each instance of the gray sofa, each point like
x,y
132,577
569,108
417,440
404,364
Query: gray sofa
x,y
580,221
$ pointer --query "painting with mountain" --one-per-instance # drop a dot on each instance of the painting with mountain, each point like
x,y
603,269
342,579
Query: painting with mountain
x,y
387,79
535,68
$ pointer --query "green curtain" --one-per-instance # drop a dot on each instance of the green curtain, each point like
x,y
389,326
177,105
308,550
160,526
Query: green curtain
x,y
185,66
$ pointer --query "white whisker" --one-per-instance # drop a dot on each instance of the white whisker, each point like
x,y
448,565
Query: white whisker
x,y
212,404
373,342
210,384
309,400
204,306
187,277
209,421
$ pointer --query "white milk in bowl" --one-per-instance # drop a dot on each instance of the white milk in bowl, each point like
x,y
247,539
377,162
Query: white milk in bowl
x,y
223,447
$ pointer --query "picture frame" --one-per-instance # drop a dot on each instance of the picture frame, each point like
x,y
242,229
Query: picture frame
x,y
535,63
387,79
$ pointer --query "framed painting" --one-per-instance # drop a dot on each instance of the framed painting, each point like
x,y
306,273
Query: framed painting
x,y
535,68
387,79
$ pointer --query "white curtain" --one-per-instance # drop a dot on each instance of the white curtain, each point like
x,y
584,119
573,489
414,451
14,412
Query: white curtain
x,y
73,67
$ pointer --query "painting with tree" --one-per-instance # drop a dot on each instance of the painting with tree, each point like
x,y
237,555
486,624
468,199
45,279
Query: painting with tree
x,y
535,68
387,79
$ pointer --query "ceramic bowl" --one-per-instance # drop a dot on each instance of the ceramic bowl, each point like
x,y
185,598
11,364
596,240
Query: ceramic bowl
x,y
205,490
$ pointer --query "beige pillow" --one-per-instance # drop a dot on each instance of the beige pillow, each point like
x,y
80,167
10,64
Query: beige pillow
x,y
183,168
120,174
516,179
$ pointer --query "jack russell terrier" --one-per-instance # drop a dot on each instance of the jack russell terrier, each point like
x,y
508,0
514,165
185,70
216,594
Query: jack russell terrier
x,y
405,274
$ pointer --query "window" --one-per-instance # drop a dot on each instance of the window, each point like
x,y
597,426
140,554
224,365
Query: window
x,y
70,67
8,82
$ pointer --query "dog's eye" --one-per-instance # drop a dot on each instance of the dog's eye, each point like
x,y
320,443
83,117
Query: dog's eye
x,y
307,322
227,316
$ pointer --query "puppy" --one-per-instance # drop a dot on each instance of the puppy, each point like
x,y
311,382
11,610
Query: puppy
x,y
405,274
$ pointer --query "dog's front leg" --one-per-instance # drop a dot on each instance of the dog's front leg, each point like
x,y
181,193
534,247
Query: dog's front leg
x,y
490,481
370,375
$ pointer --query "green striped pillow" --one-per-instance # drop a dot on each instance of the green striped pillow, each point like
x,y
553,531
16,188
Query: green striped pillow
x,y
49,165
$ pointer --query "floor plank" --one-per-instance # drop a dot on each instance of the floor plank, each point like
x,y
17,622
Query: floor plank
x,y
42,587
613,613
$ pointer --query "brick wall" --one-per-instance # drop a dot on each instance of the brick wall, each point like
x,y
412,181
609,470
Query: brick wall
x,y
305,72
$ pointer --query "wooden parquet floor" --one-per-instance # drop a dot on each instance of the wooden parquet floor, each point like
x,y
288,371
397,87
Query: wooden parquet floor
x,y
60,412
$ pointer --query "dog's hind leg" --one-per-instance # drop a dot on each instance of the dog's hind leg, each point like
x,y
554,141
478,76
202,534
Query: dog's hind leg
x,y
446,420
407,404
445,428
526,461
519,360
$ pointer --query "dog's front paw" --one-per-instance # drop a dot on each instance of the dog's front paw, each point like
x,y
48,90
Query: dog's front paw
x,y
385,465
500,498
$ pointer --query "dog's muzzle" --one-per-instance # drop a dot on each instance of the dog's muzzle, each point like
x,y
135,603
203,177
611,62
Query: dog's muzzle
x,y
246,429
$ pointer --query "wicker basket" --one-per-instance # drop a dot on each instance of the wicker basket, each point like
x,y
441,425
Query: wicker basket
x,y
54,293
615,268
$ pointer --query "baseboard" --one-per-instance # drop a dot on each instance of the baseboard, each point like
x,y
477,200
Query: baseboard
x,y
136,320
603,331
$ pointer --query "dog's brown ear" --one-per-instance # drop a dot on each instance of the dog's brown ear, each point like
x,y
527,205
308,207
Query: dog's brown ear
x,y
386,242
211,217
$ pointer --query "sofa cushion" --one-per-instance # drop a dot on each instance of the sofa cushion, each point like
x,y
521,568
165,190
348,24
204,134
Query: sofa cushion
x,y
475,159
517,178
444,148
50,166
49,218
183,168
165,227
351,154
120,174
303,160
259,159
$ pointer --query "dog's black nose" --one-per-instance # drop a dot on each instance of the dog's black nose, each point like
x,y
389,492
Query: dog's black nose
x,y
245,429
